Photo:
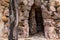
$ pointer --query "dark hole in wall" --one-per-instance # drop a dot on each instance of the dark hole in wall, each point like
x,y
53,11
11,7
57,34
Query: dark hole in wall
x,y
39,20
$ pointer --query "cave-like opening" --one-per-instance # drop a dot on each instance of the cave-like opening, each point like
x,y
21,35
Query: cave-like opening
x,y
39,21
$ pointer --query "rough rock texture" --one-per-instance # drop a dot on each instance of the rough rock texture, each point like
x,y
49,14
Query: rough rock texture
x,y
27,9
51,16
32,21
3,10
24,9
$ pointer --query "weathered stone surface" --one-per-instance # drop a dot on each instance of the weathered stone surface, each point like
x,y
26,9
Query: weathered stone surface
x,y
45,12
1,25
24,9
58,9
4,4
32,21
50,28
52,8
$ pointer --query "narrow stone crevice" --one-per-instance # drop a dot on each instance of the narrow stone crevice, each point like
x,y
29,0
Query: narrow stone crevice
x,y
36,14
39,20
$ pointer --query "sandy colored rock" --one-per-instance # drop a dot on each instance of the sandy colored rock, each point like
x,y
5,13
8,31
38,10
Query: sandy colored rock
x,y
50,28
4,18
6,1
52,8
58,10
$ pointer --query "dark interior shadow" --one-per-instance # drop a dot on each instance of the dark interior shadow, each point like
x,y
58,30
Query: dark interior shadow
x,y
39,20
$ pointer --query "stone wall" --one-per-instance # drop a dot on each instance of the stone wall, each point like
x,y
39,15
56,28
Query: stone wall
x,y
27,8
4,11
51,16
24,9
